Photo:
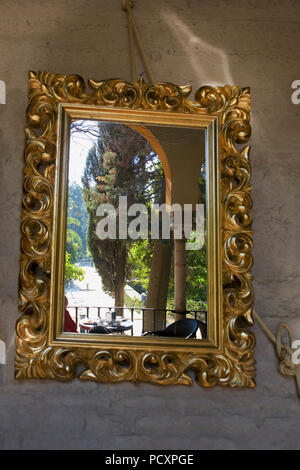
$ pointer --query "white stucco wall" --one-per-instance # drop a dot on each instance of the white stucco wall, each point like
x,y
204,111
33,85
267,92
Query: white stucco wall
x,y
245,42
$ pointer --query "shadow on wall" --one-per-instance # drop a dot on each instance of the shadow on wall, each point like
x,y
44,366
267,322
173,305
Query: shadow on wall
x,y
211,62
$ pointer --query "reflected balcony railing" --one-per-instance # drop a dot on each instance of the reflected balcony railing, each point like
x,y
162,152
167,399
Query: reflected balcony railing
x,y
161,317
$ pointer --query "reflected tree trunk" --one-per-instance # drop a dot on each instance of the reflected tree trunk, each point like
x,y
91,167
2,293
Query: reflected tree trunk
x,y
120,277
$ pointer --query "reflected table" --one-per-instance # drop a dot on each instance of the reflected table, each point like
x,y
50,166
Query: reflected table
x,y
119,325
86,324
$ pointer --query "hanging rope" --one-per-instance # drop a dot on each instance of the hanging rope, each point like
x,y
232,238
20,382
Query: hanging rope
x,y
283,350
127,6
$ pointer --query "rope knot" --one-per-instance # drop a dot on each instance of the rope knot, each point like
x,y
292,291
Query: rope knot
x,y
284,351
127,4
287,367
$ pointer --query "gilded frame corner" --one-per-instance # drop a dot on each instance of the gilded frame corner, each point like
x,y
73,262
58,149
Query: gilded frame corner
x,y
229,360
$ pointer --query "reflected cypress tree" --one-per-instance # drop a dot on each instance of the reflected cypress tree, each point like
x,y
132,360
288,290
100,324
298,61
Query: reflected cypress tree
x,y
121,163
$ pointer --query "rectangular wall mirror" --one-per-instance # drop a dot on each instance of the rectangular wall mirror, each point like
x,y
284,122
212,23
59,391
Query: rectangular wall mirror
x,y
120,274
136,234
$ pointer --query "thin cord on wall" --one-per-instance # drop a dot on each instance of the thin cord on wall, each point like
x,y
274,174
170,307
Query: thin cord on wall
x,y
127,6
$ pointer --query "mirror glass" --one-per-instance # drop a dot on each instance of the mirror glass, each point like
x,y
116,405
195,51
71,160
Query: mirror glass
x,y
135,251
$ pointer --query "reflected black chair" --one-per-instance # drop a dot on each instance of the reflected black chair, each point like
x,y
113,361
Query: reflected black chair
x,y
185,328
203,329
100,330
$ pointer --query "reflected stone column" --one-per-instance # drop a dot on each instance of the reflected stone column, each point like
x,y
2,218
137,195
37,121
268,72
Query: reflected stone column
x,y
180,278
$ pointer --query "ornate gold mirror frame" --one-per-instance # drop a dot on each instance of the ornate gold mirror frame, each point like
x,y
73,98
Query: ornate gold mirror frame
x,y
42,351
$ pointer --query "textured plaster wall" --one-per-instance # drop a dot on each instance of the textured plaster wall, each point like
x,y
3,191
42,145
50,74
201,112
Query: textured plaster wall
x,y
252,43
